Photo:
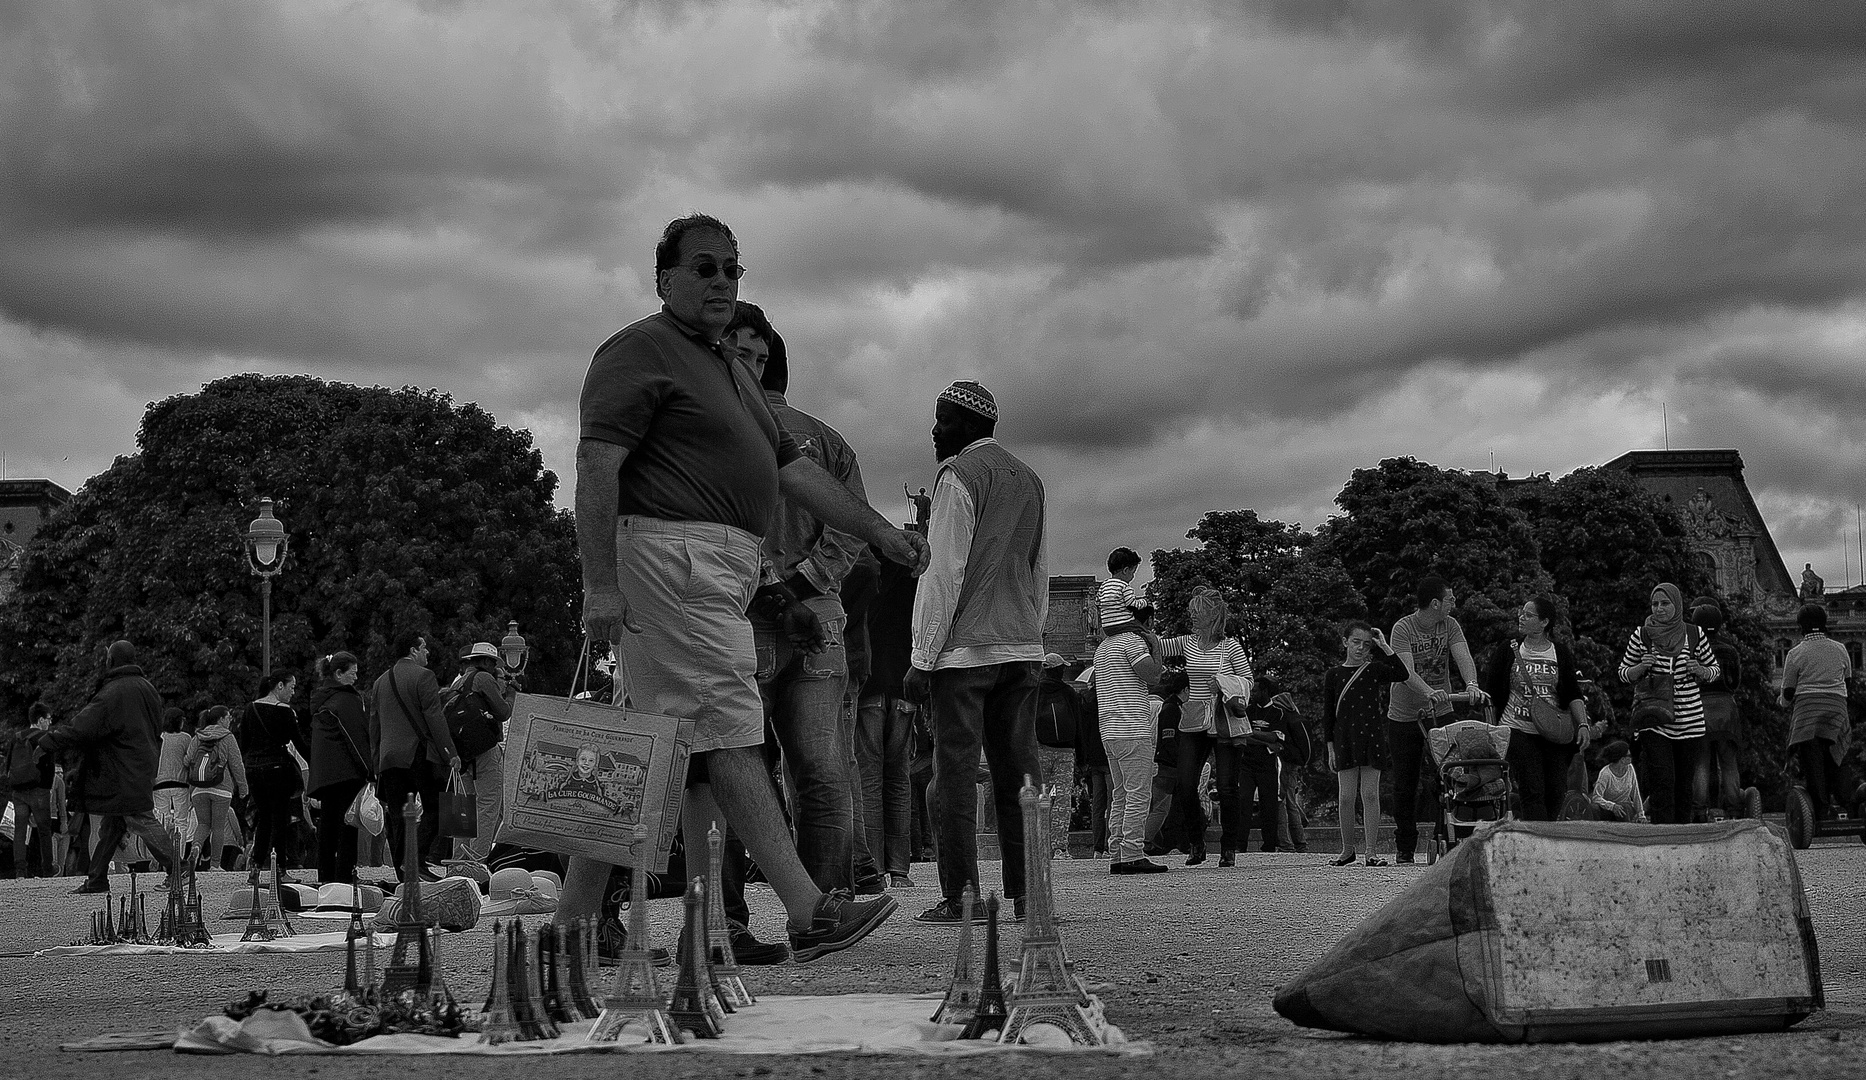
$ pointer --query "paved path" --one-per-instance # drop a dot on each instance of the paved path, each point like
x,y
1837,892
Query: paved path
x,y
1189,960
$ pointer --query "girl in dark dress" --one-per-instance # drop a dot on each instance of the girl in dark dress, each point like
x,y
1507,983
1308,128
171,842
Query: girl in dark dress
x,y
1354,726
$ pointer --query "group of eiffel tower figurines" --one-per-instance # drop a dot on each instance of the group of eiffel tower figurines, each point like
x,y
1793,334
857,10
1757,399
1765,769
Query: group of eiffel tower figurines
x,y
541,978
1046,1001
125,920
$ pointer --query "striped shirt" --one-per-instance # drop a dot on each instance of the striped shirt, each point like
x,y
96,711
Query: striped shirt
x,y
1687,697
1202,667
1112,602
1120,696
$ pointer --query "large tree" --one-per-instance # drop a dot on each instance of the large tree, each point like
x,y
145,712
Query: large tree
x,y
405,509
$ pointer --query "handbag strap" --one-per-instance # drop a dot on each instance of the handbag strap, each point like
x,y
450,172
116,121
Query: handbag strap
x,y
349,743
419,723
1345,687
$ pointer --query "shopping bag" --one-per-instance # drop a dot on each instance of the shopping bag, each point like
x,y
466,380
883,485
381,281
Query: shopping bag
x,y
603,781
458,817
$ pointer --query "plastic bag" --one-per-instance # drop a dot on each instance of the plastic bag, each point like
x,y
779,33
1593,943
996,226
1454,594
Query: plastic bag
x,y
365,811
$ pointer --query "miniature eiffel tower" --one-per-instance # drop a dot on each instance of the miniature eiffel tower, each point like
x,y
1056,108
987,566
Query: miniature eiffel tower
x,y
580,954
182,922
961,999
726,973
526,995
717,1002
635,993
550,971
988,1019
498,1026
1047,990
694,1002
410,925
265,910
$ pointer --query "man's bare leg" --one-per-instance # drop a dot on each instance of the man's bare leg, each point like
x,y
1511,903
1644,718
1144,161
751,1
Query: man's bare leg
x,y
741,794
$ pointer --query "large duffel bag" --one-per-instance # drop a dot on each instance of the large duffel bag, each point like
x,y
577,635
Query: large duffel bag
x,y
1578,931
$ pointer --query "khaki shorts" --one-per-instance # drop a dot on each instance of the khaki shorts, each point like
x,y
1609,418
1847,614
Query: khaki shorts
x,y
687,585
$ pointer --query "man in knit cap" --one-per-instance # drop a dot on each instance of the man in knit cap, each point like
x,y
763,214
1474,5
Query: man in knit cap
x,y
978,638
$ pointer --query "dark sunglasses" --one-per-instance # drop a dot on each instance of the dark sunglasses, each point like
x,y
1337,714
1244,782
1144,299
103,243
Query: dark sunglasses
x,y
705,270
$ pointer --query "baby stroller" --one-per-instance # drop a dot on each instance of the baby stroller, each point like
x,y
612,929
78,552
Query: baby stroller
x,y
1473,774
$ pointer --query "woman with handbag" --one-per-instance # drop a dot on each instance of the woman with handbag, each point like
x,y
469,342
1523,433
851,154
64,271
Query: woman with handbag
x,y
1354,728
1667,661
1533,676
1206,728
268,733
339,764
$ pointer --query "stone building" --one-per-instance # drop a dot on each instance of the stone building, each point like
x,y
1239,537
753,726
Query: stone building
x,y
24,507
1069,629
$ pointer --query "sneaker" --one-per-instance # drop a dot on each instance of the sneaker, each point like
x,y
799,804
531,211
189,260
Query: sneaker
x,y
1346,859
901,881
873,886
1375,860
91,887
946,911
1404,858
1136,866
748,950
612,939
840,921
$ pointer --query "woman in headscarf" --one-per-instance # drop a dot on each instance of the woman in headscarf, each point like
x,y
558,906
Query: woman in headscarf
x,y
1203,728
1675,659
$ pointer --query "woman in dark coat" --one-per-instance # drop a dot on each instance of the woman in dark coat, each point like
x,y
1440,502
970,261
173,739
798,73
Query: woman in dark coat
x,y
268,732
1354,727
339,769
1534,672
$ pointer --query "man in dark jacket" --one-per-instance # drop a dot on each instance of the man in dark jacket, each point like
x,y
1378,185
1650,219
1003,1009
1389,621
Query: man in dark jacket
x,y
118,738
29,772
410,743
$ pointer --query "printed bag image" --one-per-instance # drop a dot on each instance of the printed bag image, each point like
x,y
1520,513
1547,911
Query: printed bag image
x,y
580,777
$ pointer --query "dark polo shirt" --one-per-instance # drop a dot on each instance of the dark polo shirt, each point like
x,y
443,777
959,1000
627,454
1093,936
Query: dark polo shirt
x,y
702,443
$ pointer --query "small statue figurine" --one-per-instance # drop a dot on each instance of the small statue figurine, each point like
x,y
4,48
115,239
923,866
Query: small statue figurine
x,y
1812,587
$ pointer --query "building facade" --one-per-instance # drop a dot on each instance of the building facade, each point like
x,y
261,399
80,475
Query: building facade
x,y
25,506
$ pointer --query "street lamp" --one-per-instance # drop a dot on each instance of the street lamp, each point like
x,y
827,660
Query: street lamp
x,y
266,545
513,651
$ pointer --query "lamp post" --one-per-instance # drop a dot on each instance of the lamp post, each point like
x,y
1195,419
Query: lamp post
x,y
514,653
266,545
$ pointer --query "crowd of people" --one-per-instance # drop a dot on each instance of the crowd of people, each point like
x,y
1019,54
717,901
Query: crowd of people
x,y
863,691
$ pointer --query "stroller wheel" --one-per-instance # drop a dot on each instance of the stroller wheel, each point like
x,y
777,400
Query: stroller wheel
x,y
1800,819
1752,803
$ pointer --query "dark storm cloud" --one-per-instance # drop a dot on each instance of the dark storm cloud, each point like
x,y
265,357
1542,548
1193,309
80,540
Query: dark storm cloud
x,y
1208,255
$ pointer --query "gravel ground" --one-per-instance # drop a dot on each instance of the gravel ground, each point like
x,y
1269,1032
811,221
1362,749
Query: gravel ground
x,y
1188,962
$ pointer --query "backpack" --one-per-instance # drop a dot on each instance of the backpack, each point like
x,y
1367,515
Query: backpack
x,y
23,767
1058,710
204,766
474,728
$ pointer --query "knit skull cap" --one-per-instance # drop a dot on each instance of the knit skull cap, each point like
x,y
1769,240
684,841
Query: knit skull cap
x,y
970,395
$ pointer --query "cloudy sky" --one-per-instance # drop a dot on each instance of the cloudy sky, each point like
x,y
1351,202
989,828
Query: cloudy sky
x,y
1205,258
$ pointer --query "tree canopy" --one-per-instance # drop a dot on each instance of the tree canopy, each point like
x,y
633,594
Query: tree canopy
x,y
404,509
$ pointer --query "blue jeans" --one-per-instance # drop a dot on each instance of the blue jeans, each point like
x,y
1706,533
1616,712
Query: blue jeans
x,y
803,701
883,744
995,707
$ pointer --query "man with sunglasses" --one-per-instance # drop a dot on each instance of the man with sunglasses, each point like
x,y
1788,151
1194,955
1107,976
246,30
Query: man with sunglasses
x,y
679,467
